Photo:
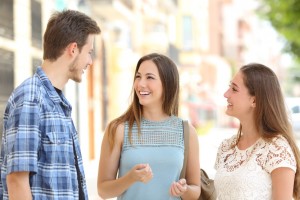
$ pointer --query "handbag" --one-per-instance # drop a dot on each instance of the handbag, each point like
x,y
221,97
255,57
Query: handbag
x,y
207,185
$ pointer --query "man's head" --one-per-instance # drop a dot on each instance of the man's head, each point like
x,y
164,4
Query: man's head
x,y
64,28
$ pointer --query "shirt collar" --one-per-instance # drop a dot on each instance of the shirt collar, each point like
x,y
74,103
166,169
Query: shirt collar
x,y
54,96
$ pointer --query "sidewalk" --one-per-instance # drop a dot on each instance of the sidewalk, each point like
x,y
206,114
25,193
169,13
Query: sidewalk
x,y
91,174
91,171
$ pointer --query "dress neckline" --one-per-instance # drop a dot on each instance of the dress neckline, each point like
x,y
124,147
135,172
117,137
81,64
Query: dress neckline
x,y
250,147
160,121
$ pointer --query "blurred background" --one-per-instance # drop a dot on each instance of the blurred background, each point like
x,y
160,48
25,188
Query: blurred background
x,y
208,40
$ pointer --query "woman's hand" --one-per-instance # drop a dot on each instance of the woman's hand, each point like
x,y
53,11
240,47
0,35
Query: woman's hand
x,y
141,173
178,188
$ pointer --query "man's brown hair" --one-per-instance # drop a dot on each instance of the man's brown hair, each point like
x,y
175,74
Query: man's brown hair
x,y
64,28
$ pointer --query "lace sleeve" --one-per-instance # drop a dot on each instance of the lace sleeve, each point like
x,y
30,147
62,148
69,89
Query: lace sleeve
x,y
279,154
224,148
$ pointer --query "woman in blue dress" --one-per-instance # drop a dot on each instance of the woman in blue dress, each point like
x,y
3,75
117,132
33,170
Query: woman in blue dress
x,y
143,150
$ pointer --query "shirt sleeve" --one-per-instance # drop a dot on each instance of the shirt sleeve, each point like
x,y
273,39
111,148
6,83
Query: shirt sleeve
x,y
279,155
22,137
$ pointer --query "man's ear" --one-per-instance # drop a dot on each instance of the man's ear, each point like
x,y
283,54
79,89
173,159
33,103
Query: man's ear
x,y
72,48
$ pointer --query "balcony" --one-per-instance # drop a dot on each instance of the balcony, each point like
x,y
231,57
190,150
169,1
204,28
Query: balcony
x,y
113,9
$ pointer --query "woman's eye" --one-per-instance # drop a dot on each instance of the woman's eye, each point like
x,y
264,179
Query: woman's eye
x,y
232,88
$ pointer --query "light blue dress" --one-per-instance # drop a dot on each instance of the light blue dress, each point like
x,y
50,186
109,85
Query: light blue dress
x,y
161,145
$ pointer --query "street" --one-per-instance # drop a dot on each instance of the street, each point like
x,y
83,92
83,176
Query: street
x,y
208,143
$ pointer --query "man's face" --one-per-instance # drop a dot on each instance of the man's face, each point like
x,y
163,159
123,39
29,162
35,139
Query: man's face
x,y
82,60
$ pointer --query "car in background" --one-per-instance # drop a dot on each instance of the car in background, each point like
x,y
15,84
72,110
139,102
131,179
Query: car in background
x,y
293,105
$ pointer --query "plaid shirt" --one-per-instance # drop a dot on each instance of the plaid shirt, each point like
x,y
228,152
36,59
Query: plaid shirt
x,y
38,137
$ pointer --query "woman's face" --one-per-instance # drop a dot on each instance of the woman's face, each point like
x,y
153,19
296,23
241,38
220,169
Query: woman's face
x,y
240,102
147,85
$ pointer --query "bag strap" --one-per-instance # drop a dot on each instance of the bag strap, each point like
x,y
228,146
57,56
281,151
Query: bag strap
x,y
186,135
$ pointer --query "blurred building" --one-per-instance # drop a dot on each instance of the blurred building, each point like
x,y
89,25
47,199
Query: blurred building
x,y
190,32
208,40
22,23
20,44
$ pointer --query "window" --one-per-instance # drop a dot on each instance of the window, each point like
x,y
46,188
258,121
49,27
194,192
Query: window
x,y
6,73
6,80
187,33
36,24
35,63
128,3
7,19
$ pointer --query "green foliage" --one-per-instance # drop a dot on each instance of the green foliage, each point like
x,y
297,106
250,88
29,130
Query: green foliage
x,y
284,16
292,80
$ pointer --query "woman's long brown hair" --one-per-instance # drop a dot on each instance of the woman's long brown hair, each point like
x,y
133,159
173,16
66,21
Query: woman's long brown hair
x,y
271,118
169,76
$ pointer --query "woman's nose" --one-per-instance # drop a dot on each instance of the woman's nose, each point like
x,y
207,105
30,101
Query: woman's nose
x,y
226,94
142,82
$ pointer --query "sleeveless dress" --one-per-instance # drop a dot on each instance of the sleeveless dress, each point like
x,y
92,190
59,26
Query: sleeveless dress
x,y
246,174
160,145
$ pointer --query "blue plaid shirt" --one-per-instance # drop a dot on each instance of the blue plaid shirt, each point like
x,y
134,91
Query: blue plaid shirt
x,y
38,137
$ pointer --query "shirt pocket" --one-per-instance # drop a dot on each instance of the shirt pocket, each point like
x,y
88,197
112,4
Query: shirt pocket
x,y
57,148
57,138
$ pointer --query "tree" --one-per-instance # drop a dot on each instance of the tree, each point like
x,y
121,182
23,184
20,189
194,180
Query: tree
x,y
284,16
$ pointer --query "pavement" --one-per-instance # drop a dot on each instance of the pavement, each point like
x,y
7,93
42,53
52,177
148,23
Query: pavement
x,y
208,143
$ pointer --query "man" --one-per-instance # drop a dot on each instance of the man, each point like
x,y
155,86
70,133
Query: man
x,y
40,153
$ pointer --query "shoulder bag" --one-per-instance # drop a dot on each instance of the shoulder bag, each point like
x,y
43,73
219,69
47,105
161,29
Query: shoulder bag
x,y
207,185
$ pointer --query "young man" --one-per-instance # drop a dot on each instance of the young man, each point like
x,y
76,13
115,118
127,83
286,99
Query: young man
x,y
40,153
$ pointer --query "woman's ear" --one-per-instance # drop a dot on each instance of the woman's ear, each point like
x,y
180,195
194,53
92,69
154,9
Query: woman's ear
x,y
253,103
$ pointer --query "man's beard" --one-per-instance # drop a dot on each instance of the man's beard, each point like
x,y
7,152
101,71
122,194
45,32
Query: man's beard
x,y
73,69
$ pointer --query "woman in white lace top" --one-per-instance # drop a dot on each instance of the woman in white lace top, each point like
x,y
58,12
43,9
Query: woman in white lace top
x,y
262,160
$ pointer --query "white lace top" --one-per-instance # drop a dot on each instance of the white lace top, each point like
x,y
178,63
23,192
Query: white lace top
x,y
246,174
